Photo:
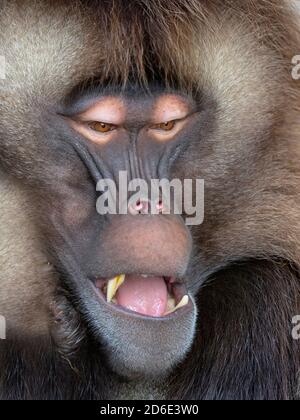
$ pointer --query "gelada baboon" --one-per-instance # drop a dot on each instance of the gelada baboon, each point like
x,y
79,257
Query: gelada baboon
x,y
143,305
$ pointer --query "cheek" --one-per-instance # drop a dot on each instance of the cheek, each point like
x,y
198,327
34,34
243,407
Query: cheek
x,y
76,210
71,207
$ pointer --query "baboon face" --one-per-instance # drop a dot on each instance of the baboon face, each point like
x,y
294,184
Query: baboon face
x,y
182,113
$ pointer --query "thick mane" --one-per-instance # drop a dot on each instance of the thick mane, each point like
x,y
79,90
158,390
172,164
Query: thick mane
x,y
136,40
160,38
234,59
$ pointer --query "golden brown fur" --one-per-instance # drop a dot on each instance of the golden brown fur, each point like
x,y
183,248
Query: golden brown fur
x,y
237,52
26,276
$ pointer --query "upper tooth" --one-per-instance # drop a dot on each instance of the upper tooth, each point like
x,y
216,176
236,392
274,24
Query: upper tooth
x,y
113,286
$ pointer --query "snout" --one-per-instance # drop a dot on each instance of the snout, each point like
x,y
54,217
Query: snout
x,y
156,245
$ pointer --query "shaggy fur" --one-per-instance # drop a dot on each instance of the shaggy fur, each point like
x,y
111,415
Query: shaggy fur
x,y
237,56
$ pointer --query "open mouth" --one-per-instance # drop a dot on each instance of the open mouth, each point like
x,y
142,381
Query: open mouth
x,y
146,295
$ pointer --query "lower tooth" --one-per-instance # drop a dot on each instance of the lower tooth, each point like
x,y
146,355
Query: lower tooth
x,y
184,301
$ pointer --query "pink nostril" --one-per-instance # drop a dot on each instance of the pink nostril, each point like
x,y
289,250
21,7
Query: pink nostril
x,y
140,207
144,206
160,206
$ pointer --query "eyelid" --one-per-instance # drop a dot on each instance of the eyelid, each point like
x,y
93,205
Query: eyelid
x,y
108,109
179,124
157,126
83,128
83,121
175,120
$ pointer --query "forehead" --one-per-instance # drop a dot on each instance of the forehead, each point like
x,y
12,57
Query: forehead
x,y
119,107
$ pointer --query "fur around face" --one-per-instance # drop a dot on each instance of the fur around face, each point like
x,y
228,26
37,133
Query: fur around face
x,y
237,54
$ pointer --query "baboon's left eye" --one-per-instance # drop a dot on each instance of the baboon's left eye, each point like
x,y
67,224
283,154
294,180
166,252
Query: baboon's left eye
x,y
167,126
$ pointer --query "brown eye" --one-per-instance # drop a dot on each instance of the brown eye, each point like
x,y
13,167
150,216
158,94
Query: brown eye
x,y
168,126
101,127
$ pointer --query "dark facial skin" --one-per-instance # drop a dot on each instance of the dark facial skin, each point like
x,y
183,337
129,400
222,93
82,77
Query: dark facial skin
x,y
98,137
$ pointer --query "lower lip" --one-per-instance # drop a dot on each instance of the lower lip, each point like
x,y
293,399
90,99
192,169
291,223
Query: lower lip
x,y
126,312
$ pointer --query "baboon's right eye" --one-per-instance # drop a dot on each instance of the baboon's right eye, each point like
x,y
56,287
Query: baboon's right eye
x,y
101,127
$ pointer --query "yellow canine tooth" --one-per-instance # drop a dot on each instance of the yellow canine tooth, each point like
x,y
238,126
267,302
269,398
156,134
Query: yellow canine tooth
x,y
184,301
113,286
171,304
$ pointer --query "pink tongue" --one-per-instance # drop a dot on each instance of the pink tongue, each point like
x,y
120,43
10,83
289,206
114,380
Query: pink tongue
x,y
147,296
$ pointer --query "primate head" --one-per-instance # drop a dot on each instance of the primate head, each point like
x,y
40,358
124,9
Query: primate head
x,y
146,89
129,269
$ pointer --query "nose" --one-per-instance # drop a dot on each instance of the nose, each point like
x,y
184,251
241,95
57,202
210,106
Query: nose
x,y
145,206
